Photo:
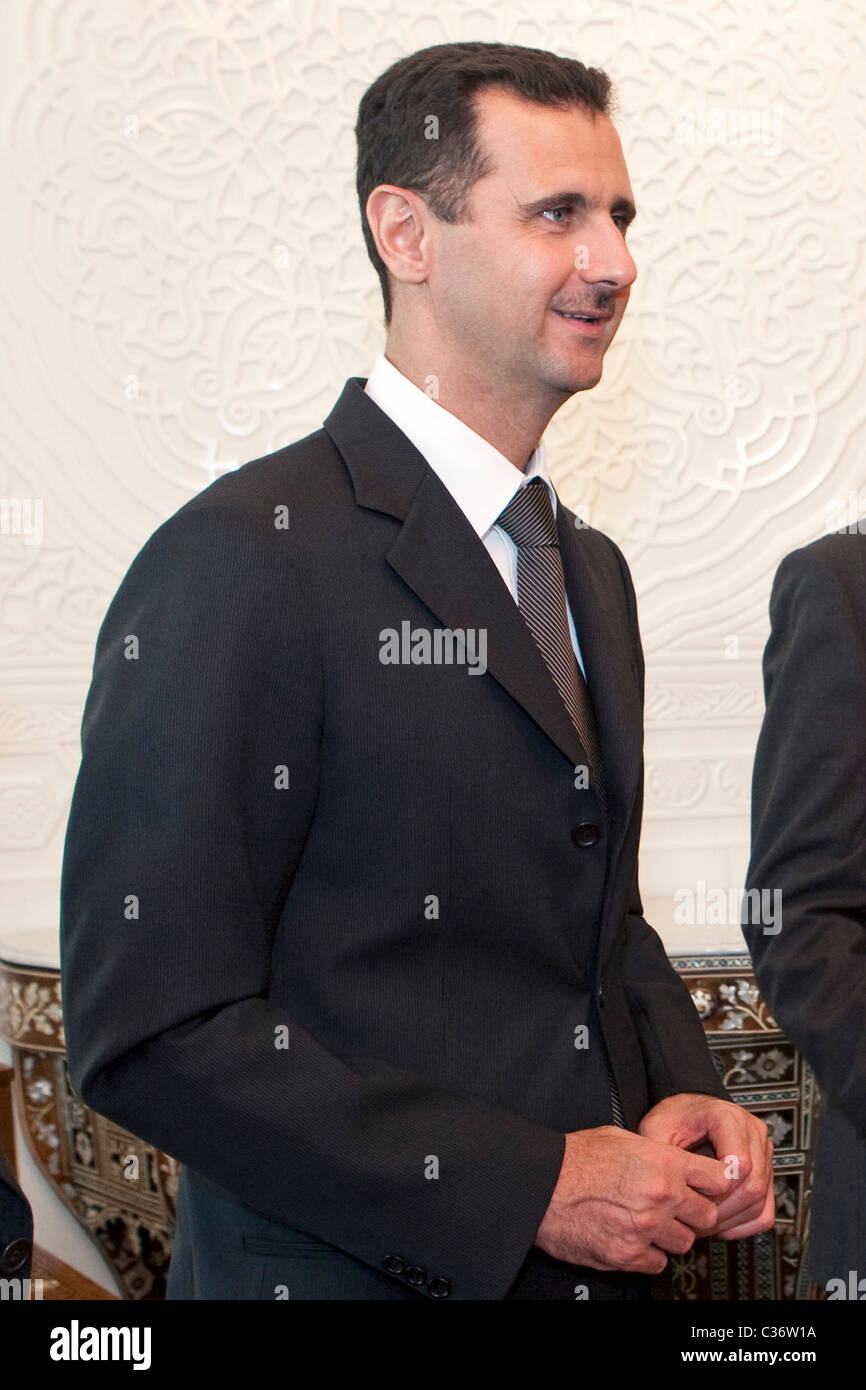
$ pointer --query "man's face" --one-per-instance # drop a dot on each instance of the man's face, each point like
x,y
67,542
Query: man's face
x,y
528,251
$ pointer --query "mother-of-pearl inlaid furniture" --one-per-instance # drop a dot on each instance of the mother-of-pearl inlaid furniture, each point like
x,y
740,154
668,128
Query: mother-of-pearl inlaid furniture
x,y
122,1191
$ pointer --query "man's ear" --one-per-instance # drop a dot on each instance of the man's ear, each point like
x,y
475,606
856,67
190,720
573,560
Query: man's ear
x,y
397,222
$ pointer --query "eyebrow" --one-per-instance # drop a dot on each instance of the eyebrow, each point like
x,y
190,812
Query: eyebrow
x,y
621,205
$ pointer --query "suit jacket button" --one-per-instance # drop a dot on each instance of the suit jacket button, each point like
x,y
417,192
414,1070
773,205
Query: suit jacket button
x,y
416,1275
439,1288
393,1264
14,1255
585,834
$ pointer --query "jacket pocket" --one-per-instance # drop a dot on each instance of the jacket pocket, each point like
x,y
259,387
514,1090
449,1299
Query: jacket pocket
x,y
299,1245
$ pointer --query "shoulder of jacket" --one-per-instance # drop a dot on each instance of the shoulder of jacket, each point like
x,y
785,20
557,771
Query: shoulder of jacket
x,y
282,491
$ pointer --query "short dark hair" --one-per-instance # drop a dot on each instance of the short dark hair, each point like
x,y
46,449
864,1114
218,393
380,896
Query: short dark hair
x,y
442,81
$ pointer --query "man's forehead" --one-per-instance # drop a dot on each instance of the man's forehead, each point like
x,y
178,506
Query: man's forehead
x,y
527,136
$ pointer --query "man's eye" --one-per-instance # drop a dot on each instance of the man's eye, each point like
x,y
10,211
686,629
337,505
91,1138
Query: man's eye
x,y
621,219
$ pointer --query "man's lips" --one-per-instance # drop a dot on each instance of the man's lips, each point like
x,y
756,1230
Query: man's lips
x,y
590,329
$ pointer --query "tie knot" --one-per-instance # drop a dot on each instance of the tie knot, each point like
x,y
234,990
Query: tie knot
x,y
528,518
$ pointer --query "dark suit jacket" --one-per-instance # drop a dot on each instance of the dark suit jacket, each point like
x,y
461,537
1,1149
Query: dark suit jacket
x,y
415,908
16,1225
809,840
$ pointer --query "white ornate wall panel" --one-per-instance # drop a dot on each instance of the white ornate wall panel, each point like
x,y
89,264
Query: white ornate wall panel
x,y
185,287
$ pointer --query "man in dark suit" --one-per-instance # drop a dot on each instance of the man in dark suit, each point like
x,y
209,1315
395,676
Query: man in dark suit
x,y
809,844
350,915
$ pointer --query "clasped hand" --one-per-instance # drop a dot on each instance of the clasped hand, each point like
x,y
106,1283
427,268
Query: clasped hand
x,y
626,1201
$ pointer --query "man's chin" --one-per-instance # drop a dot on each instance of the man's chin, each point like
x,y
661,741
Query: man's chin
x,y
573,378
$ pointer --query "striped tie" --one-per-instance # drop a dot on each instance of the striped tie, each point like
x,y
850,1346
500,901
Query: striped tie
x,y
615,1102
529,521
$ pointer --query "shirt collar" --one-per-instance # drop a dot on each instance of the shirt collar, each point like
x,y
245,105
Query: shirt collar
x,y
481,480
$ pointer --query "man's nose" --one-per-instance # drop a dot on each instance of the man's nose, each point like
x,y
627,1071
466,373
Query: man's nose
x,y
606,259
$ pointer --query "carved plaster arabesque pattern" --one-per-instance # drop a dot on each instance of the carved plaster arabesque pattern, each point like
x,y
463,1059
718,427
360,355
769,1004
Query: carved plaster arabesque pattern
x,y
189,266
187,288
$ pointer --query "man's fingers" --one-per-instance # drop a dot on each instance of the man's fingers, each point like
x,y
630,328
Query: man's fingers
x,y
658,1127
707,1175
739,1216
748,1197
699,1212
733,1137
676,1236
653,1262
733,1214
763,1222
735,1211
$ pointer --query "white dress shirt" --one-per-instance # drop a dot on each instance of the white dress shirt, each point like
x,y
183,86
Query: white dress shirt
x,y
480,479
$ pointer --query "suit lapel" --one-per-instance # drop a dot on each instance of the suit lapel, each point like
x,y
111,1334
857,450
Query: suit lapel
x,y
442,560
446,564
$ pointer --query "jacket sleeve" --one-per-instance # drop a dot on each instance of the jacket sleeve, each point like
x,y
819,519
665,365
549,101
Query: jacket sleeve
x,y
16,1225
182,842
677,1057
809,824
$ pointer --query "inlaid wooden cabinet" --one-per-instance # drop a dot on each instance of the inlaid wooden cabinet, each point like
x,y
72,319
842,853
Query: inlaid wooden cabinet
x,y
122,1191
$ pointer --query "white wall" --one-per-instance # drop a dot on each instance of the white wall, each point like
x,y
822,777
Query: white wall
x,y
185,287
